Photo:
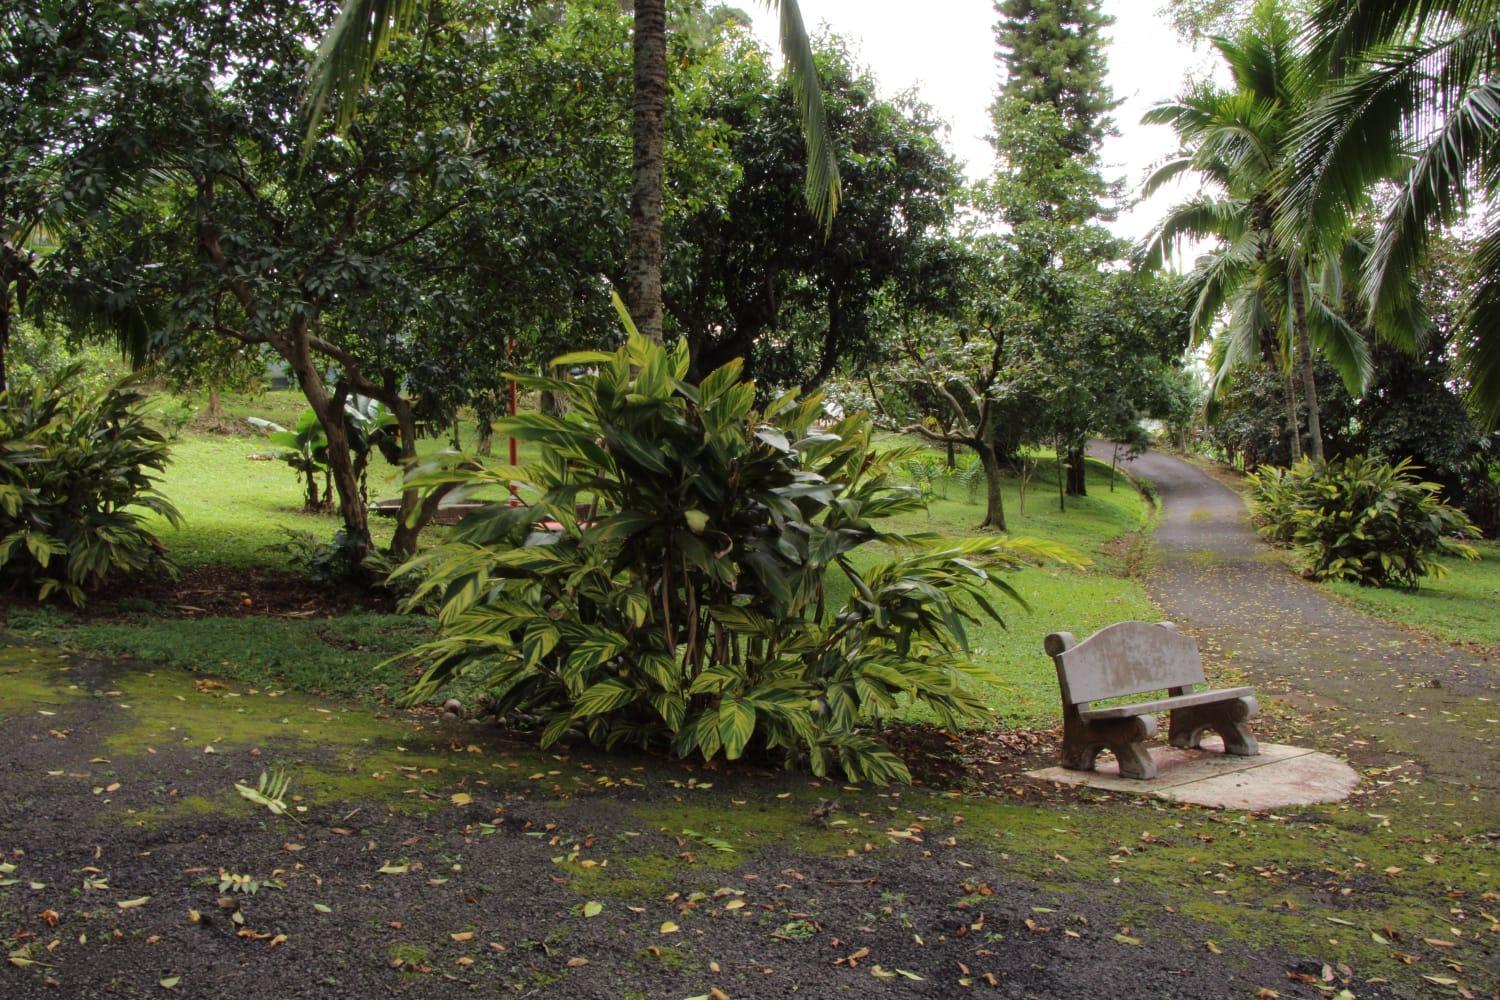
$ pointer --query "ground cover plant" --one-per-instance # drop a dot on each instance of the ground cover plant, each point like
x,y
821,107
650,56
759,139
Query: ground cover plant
x,y
1361,520
680,597
76,478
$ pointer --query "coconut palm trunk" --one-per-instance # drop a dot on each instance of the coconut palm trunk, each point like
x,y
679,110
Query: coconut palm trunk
x,y
643,291
1305,364
1293,428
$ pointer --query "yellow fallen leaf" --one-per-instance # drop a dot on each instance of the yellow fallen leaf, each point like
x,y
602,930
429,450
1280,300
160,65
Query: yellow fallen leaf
x,y
668,927
130,904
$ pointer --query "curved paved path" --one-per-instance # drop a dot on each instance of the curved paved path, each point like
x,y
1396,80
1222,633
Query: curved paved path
x,y
1375,690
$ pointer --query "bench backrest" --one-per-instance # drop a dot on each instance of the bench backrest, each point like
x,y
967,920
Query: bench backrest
x,y
1124,659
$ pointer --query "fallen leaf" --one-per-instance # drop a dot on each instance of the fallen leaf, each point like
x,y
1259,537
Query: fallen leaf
x,y
592,908
668,927
130,904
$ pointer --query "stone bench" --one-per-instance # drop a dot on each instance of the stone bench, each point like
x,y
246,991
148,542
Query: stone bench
x,y
1135,658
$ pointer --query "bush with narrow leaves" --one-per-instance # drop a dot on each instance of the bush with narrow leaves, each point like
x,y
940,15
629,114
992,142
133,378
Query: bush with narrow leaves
x,y
669,588
75,481
1360,519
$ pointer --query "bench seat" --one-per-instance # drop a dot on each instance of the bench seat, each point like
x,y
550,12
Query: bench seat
x,y
1166,704
1132,659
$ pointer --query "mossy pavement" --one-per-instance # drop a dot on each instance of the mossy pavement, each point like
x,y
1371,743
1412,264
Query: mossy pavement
x,y
422,857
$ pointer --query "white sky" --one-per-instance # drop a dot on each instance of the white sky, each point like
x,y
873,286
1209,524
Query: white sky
x,y
946,49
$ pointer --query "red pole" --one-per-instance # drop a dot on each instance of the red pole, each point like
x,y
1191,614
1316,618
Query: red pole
x,y
510,355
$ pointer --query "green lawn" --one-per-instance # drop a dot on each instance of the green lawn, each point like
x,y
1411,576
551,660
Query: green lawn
x,y
343,655
234,507
1463,606
1060,599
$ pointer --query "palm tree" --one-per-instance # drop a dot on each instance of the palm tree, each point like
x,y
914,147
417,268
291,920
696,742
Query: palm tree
x,y
364,30
1412,93
1276,283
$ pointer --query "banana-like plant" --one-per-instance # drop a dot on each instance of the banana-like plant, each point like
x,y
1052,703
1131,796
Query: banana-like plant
x,y
305,445
370,425
671,585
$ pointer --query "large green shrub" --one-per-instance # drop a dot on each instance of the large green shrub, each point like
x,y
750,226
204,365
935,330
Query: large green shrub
x,y
1360,519
75,478
669,587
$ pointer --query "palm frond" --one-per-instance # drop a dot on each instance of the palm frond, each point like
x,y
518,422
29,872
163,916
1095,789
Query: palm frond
x,y
1360,130
1343,30
347,56
1214,280
1479,328
1200,218
1435,193
822,187
1166,173
1345,347
1238,343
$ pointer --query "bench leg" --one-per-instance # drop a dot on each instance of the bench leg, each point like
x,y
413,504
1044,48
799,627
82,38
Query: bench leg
x,y
1227,718
1125,738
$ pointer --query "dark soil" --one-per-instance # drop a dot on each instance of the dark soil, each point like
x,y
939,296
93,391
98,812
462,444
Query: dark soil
x,y
220,591
481,905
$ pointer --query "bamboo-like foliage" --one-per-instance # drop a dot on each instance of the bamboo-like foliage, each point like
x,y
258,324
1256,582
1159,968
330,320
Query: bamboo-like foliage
x,y
1361,519
671,585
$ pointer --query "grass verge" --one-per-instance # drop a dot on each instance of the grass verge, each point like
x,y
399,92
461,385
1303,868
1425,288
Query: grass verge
x,y
1459,606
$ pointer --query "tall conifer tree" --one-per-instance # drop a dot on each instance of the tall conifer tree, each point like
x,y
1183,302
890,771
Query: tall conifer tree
x,y
1051,117
1051,50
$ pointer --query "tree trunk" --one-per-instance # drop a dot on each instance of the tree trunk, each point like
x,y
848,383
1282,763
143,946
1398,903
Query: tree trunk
x,y
1077,473
952,459
5,313
214,410
1293,425
330,410
408,524
1309,386
994,503
643,294
312,504
346,483
1058,451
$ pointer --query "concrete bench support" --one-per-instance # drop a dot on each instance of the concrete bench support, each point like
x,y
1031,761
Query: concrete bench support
x,y
1134,658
